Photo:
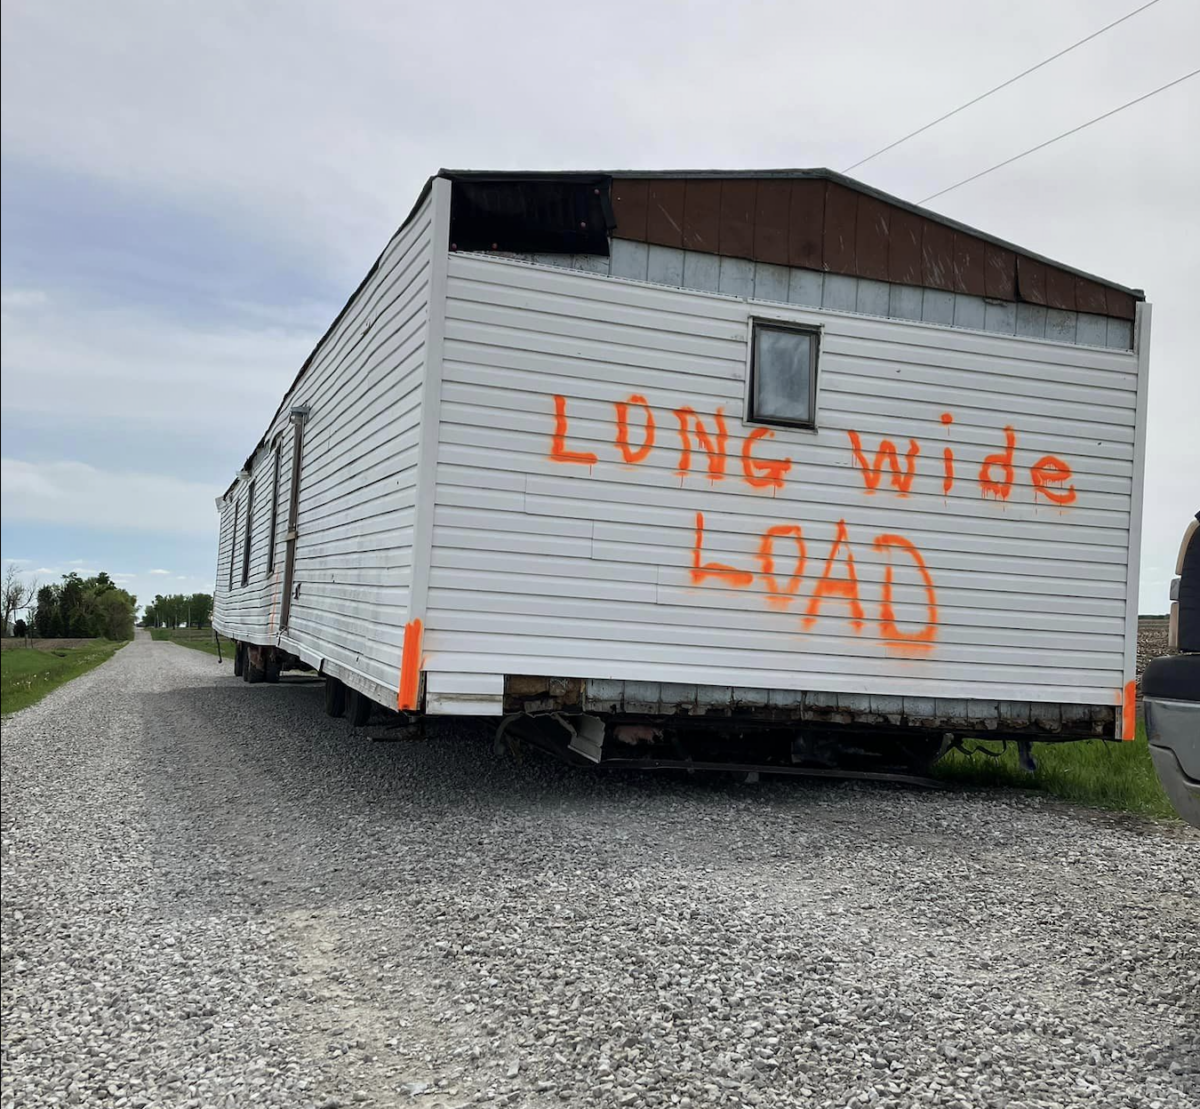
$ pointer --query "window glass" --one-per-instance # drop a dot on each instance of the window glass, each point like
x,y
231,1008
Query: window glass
x,y
274,513
233,541
249,534
784,371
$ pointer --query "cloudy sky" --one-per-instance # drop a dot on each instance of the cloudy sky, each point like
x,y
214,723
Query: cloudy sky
x,y
191,191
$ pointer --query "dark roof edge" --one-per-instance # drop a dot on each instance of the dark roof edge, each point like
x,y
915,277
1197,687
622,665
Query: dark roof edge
x,y
820,174
795,174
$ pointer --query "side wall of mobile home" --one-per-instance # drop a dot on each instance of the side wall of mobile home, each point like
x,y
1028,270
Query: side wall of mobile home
x,y
517,468
353,562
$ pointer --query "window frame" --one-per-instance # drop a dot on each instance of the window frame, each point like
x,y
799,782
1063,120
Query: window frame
x,y
274,532
249,534
233,536
813,331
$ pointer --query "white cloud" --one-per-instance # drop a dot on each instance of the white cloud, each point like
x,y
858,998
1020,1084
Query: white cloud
x,y
132,365
76,494
165,572
13,299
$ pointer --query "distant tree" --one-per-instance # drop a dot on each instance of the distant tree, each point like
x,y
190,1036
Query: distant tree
x,y
115,614
70,603
88,608
20,629
200,606
47,611
16,595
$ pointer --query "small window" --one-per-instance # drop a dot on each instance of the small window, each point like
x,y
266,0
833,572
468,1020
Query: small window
x,y
274,513
249,534
233,542
783,374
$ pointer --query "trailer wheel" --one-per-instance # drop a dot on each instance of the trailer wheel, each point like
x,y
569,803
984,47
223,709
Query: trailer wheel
x,y
271,673
921,755
254,674
335,697
239,660
358,707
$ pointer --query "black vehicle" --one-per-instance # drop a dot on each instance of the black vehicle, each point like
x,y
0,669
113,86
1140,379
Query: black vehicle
x,y
1171,688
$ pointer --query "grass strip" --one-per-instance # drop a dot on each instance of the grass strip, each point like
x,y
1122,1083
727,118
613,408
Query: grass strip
x,y
27,675
1105,775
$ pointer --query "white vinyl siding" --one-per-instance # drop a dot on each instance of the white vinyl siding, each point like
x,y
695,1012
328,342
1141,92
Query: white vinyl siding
x,y
541,567
358,475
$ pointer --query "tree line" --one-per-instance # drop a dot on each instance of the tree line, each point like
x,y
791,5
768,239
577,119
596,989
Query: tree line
x,y
179,610
81,608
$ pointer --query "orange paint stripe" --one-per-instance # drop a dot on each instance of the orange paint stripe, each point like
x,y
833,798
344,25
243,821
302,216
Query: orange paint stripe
x,y
410,667
1129,712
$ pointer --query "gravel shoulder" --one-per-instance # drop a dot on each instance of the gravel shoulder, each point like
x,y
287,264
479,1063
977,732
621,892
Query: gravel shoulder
x,y
213,895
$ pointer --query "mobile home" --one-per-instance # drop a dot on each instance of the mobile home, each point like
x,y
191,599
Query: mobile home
x,y
692,465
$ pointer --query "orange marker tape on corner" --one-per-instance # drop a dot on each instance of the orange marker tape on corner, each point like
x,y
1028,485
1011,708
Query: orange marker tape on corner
x,y
1129,712
410,668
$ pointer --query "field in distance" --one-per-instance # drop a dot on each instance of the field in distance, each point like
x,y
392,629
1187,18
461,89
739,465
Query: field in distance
x,y
200,639
27,674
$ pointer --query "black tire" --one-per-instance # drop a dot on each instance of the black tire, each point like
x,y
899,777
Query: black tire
x,y
239,660
358,707
335,697
920,756
255,674
271,674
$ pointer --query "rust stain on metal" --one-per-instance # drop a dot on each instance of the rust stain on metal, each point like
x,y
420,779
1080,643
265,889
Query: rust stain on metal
x,y
965,716
534,693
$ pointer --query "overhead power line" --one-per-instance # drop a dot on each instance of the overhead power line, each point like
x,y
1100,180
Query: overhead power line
x,y
1049,142
1002,85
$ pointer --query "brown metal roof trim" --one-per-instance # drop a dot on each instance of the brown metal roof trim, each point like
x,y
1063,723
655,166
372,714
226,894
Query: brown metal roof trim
x,y
817,220
790,217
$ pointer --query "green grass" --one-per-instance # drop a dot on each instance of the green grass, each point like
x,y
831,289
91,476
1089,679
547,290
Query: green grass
x,y
26,676
1091,772
199,639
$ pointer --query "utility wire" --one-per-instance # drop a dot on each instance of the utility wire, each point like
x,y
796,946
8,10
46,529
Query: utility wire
x,y
1003,85
1048,142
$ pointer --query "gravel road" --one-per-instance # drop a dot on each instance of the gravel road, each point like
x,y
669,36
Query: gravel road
x,y
216,896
